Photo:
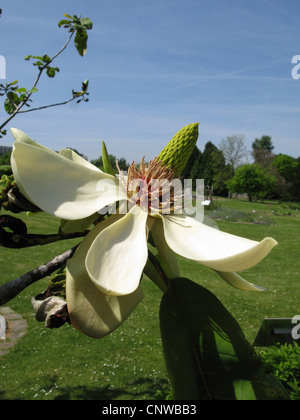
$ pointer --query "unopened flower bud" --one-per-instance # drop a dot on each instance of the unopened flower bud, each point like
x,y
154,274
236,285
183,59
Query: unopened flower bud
x,y
177,152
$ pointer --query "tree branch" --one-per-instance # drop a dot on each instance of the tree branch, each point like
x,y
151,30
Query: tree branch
x,y
17,241
18,237
11,289
24,102
47,106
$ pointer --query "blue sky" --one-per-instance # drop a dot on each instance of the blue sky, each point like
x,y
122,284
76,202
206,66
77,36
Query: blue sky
x,y
156,66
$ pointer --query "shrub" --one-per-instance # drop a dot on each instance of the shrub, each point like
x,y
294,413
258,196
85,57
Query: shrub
x,y
283,362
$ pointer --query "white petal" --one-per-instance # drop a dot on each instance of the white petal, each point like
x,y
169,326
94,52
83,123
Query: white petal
x,y
71,155
60,186
91,311
116,259
239,283
21,137
215,249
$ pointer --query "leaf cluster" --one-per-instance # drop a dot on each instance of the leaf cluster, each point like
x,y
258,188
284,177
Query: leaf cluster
x,y
283,361
15,96
83,93
79,26
43,63
18,97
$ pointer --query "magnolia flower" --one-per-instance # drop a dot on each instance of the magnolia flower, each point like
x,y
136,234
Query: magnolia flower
x,y
103,278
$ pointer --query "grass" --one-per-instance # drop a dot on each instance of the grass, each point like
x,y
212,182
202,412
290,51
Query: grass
x,y
128,364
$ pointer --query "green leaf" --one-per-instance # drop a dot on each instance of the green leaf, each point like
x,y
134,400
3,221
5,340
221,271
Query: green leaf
x,y
86,23
46,58
36,57
21,90
206,353
11,102
80,41
33,90
51,71
64,22
85,86
39,64
106,161
76,21
67,16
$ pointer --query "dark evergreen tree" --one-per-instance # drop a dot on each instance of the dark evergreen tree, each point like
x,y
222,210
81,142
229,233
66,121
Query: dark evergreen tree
x,y
222,173
206,167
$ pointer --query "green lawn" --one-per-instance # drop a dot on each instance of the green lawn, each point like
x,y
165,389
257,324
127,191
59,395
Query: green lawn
x,y
128,364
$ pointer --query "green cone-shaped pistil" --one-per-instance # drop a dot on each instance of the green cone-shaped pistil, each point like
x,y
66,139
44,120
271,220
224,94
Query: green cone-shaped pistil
x,y
177,152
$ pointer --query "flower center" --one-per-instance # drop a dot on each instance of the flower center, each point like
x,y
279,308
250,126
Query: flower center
x,y
154,186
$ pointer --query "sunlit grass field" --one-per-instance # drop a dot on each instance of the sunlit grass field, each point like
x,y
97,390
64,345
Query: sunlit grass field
x,y
128,364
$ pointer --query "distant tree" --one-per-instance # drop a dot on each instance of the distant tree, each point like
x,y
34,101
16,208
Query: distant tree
x,y
264,143
253,180
287,167
193,167
5,159
205,169
222,172
122,163
262,150
195,155
287,171
296,184
234,150
209,165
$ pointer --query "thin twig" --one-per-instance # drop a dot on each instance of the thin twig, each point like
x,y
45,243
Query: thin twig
x,y
48,106
11,289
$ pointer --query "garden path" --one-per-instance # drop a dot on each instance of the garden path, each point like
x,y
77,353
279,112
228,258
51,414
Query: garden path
x,y
15,328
